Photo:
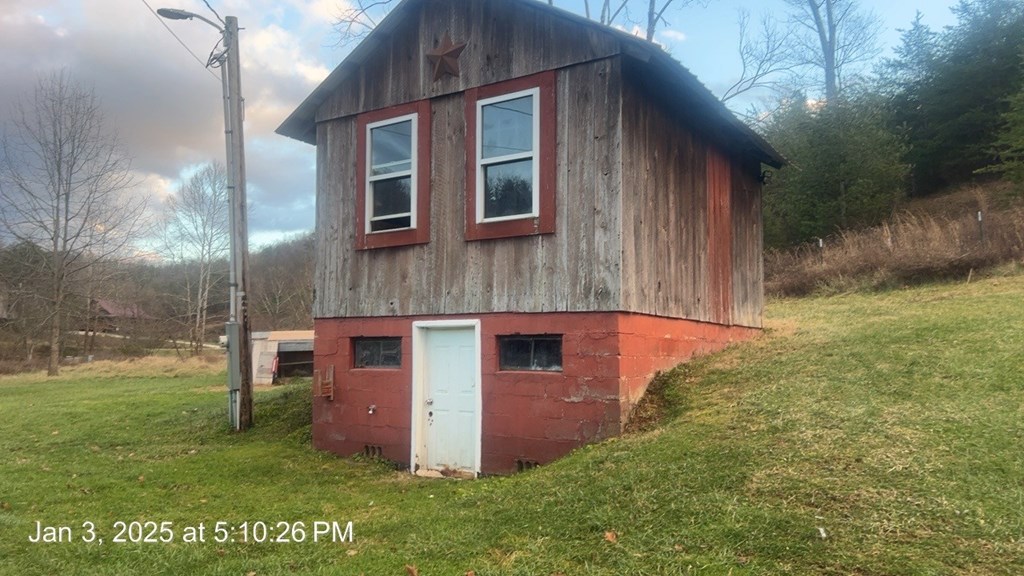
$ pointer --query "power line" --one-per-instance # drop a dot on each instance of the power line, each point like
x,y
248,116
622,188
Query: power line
x,y
215,13
180,41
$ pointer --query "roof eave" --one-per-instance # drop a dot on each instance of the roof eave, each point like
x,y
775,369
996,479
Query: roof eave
x,y
301,123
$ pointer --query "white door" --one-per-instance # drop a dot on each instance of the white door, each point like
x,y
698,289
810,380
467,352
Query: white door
x,y
446,397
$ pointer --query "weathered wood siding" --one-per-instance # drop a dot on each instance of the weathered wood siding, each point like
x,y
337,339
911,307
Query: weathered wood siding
x,y
665,265
691,221
576,269
501,44
720,236
748,245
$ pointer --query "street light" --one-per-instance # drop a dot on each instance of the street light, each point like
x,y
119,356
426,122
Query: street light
x,y
237,326
175,14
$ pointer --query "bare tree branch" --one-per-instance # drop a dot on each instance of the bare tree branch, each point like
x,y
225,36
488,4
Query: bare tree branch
x,y
833,36
766,58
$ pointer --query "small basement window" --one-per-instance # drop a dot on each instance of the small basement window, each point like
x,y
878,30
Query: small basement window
x,y
377,352
541,352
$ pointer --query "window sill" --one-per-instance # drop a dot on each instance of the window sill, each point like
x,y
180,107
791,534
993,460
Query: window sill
x,y
529,226
392,239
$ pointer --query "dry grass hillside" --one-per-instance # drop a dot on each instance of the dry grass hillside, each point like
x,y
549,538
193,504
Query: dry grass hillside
x,y
935,238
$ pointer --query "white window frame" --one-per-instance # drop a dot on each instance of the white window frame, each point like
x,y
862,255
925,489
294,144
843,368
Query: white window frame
x,y
412,172
534,154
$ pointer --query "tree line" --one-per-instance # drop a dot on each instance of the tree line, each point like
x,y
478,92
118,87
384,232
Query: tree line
x,y
72,267
946,109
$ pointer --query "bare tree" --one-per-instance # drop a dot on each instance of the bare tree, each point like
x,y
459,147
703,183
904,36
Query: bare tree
x,y
23,289
64,183
833,36
821,42
282,285
362,16
196,233
766,59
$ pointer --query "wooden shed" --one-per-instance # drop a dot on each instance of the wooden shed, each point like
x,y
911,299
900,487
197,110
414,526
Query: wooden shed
x,y
522,215
281,353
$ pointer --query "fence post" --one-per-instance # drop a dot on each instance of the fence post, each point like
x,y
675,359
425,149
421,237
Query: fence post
x,y
981,228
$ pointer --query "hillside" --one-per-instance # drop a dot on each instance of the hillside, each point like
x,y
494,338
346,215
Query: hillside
x,y
862,434
937,237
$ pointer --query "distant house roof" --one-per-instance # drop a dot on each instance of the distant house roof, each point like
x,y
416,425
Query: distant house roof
x,y
112,309
684,93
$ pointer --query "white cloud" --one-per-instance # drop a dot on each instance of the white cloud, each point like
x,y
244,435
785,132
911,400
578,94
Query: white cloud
x,y
673,35
276,51
322,11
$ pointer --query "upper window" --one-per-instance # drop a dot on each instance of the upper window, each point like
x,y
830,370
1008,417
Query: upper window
x,y
390,186
393,196
510,158
507,144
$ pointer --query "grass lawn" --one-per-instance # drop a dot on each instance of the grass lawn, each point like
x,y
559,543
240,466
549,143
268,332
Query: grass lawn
x,y
863,434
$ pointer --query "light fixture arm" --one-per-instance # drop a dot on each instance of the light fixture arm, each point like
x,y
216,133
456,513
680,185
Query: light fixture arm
x,y
176,14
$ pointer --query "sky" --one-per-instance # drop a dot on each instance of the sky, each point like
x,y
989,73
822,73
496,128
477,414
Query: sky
x,y
168,112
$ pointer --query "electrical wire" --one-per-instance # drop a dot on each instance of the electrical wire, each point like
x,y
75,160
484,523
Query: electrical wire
x,y
180,41
215,13
214,61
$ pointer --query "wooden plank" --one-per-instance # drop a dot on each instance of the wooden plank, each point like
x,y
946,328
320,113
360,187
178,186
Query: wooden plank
x,y
748,261
720,236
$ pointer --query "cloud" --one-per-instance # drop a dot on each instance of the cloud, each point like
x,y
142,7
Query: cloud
x,y
168,109
673,35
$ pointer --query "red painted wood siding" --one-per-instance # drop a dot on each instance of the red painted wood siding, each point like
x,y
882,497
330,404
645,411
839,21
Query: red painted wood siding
x,y
719,180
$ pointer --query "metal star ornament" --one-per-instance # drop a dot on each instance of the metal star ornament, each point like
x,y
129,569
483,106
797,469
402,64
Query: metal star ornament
x,y
445,58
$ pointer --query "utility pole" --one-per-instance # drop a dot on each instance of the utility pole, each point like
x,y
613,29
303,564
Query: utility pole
x,y
240,348
237,326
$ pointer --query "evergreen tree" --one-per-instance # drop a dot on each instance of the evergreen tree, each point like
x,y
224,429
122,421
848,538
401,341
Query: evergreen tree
x,y
1009,147
949,92
845,169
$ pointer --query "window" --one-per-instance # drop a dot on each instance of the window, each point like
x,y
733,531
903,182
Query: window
x,y
377,352
543,352
390,187
510,149
507,143
393,165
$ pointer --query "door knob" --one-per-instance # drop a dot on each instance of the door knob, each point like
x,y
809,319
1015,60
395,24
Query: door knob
x,y
430,401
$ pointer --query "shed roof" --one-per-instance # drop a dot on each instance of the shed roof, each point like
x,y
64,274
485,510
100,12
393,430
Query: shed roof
x,y
113,309
689,98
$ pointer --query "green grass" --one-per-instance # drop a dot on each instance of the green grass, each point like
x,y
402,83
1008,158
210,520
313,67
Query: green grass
x,y
893,423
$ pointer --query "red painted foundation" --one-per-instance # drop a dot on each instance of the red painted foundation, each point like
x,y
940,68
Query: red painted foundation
x,y
608,358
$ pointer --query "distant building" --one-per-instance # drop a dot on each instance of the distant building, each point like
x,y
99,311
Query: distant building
x,y
280,354
112,316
